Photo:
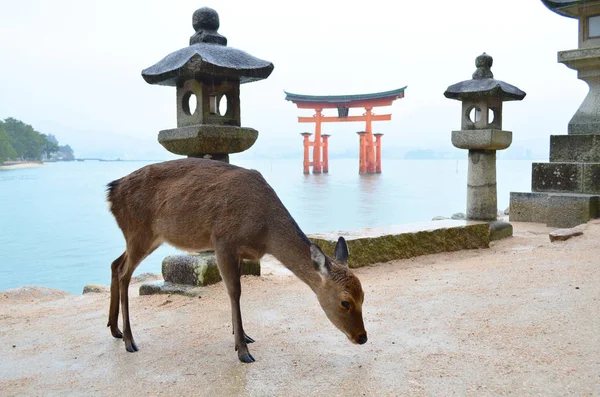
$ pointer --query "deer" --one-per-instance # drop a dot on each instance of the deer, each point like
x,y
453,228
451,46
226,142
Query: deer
x,y
197,204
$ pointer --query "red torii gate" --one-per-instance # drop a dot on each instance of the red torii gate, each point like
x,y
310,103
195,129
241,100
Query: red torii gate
x,y
370,150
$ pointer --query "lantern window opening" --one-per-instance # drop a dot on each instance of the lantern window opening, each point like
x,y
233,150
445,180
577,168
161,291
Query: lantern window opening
x,y
593,27
222,107
189,103
474,113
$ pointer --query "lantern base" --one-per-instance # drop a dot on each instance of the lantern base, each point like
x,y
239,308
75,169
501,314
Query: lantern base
x,y
199,140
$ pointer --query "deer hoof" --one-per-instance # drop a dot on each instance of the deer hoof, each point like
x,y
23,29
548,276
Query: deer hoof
x,y
247,358
131,347
116,333
248,339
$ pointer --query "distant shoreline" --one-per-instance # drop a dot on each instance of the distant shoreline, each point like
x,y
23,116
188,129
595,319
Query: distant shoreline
x,y
21,164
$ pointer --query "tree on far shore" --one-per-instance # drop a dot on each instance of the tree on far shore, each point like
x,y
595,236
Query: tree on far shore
x,y
6,150
20,141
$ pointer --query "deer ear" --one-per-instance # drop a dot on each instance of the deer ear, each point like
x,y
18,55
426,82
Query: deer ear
x,y
341,251
320,260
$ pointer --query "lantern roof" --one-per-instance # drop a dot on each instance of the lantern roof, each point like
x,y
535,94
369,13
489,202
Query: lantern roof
x,y
568,8
484,85
207,56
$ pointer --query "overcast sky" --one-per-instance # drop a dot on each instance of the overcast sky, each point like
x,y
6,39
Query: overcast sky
x,y
73,68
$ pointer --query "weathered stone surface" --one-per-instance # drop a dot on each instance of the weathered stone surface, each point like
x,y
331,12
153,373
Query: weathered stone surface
x,y
165,287
191,269
207,55
554,209
481,186
206,23
587,63
570,210
564,234
383,244
500,230
557,177
199,140
140,278
591,178
528,207
482,139
95,289
199,270
575,148
483,84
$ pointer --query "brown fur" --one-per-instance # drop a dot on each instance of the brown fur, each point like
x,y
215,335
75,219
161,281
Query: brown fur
x,y
197,204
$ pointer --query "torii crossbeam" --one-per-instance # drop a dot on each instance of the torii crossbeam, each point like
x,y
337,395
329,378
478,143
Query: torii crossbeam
x,y
370,150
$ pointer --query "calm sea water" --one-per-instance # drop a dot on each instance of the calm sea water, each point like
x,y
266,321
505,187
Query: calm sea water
x,y
56,230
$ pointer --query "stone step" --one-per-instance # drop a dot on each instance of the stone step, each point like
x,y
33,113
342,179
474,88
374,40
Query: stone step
x,y
575,148
562,210
565,178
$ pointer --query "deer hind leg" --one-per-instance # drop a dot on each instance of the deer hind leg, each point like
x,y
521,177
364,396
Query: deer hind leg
x,y
229,267
135,254
113,313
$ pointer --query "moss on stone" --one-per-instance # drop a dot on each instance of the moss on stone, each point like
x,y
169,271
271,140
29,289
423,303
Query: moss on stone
x,y
369,250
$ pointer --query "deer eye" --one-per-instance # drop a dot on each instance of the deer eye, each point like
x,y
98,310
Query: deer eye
x,y
346,305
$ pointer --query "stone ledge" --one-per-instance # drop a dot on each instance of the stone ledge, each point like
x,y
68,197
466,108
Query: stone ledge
x,y
167,288
384,244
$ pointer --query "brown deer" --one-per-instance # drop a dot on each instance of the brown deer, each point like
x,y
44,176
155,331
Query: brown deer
x,y
197,204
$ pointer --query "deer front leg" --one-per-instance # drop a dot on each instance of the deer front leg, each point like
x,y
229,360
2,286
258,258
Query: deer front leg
x,y
230,272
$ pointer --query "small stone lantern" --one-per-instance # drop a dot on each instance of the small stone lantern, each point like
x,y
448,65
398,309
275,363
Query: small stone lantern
x,y
207,75
481,133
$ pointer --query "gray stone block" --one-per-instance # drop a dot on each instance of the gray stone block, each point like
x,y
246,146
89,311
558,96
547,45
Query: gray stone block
x,y
575,148
500,230
95,289
557,177
570,210
166,288
199,270
591,178
528,207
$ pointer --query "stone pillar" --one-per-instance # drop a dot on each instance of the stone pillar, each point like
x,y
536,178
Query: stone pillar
x,y
481,186
481,133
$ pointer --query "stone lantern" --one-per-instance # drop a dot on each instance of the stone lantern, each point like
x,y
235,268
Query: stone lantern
x,y
481,133
207,76
566,191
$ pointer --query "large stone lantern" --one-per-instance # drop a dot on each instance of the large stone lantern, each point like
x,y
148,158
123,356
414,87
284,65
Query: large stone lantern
x,y
481,133
207,75
566,191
